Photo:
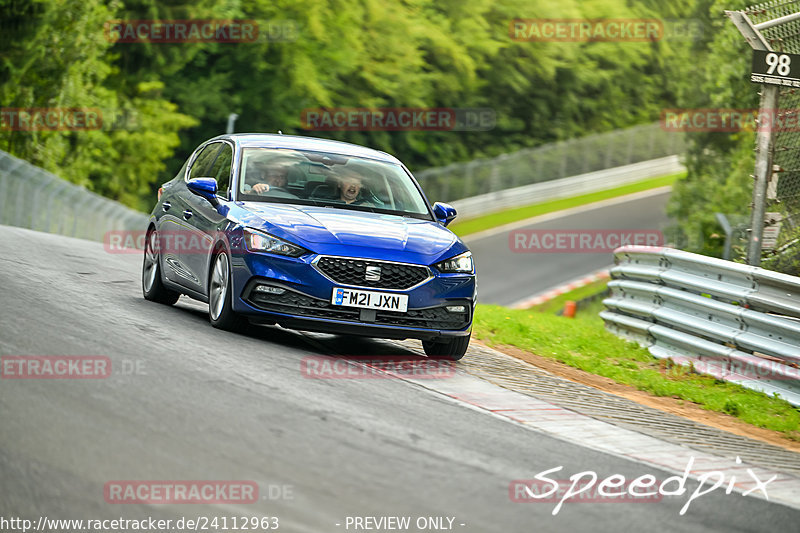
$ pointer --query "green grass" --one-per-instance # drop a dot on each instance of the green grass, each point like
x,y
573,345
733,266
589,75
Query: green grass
x,y
583,343
463,228
556,304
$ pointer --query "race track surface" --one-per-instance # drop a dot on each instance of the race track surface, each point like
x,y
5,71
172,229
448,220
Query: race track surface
x,y
202,404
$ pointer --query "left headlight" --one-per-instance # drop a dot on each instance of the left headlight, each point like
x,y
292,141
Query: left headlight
x,y
460,263
258,241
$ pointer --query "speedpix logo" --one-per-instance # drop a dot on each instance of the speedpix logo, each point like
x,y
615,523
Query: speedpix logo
x,y
587,487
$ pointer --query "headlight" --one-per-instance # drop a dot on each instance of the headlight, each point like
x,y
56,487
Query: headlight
x,y
264,242
460,263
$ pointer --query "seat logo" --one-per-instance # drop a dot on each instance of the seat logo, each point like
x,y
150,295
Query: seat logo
x,y
373,273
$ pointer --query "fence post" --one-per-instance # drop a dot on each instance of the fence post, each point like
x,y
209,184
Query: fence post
x,y
468,171
764,144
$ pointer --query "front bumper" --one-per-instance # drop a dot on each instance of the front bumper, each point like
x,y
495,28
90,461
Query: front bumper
x,y
296,310
306,302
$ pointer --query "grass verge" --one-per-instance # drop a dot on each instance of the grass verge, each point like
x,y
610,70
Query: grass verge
x,y
554,305
474,225
584,343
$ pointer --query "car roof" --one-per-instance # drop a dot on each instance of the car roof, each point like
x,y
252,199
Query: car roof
x,y
296,142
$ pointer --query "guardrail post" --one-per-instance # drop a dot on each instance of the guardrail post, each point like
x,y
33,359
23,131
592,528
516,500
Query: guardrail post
x,y
726,227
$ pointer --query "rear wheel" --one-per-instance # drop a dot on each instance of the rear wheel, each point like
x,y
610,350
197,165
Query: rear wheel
x,y
452,349
152,286
220,294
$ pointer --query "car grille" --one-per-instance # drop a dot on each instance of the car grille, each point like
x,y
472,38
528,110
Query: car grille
x,y
300,305
354,272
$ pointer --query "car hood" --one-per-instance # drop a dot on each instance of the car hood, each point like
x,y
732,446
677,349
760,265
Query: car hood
x,y
314,224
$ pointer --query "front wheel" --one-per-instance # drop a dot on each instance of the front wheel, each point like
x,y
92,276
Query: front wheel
x,y
452,349
220,294
152,286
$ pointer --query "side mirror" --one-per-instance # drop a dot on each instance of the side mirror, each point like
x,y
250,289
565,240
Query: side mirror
x,y
445,213
205,188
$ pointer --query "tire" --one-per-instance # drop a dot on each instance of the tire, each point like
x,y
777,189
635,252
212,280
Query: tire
x,y
153,287
452,349
220,294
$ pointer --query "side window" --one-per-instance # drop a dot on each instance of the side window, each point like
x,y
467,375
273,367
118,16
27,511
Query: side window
x,y
182,172
221,170
203,161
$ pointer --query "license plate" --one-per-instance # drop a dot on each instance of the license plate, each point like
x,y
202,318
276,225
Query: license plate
x,y
370,300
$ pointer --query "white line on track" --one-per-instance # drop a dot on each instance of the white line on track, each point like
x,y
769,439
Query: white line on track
x,y
577,283
566,212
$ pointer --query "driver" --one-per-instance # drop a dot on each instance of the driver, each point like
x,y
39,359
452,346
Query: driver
x,y
274,178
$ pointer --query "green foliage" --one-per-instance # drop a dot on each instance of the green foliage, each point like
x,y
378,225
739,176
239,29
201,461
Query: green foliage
x,y
364,53
720,165
59,57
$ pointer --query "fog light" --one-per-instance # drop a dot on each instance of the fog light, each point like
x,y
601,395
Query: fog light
x,y
269,290
456,308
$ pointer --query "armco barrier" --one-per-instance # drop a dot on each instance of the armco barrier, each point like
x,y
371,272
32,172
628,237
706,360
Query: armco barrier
x,y
550,162
736,322
33,198
568,187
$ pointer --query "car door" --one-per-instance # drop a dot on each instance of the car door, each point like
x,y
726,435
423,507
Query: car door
x,y
177,227
206,220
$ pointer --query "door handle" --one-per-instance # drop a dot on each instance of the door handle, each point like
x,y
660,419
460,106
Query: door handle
x,y
187,214
166,206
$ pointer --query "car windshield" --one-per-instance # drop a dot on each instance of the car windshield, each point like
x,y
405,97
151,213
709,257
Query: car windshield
x,y
329,180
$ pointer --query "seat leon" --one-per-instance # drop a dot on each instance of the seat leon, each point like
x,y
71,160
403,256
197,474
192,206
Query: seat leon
x,y
312,235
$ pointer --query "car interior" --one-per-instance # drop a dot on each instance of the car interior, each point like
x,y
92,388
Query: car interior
x,y
311,180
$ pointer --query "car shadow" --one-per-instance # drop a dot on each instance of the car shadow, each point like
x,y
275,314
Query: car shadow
x,y
330,345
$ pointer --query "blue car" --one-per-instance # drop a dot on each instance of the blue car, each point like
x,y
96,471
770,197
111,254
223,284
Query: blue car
x,y
312,235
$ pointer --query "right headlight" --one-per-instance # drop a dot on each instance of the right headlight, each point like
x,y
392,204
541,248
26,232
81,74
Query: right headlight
x,y
459,264
258,241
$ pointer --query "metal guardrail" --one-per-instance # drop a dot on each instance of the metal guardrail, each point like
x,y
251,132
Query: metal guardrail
x,y
568,187
31,197
549,162
736,322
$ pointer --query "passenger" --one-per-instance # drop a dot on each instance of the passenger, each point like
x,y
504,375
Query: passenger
x,y
350,186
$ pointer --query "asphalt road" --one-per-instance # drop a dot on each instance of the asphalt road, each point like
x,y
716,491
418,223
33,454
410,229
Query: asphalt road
x,y
210,405
506,276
